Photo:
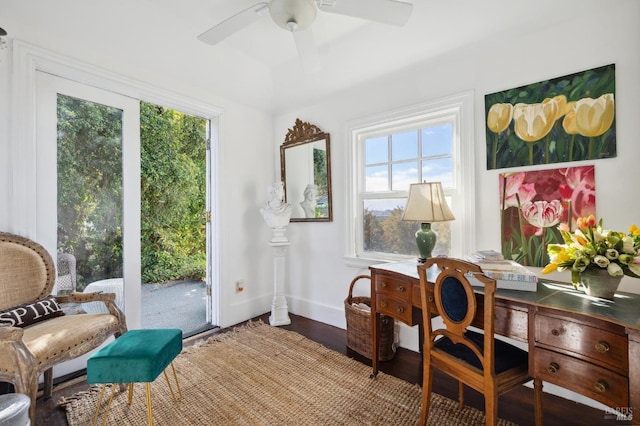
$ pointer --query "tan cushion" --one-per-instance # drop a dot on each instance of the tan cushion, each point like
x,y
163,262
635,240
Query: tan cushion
x,y
56,338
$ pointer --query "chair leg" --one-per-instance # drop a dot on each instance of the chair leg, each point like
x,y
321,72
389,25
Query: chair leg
x,y
537,395
426,395
27,384
491,406
460,395
48,383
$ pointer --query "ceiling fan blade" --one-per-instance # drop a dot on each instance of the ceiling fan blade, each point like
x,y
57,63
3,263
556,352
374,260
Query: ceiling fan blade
x,y
235,23
307,50
393,12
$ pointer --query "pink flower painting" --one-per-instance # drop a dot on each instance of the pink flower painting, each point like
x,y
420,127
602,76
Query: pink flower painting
x,y
533,203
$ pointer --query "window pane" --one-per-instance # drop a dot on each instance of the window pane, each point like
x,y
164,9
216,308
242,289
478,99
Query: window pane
x,y
437,140
385,232
404,146
403,174
376,150
440,169
89,163
377,179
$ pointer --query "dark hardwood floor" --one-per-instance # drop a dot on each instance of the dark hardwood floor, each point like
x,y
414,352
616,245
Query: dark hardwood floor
x,y
516,405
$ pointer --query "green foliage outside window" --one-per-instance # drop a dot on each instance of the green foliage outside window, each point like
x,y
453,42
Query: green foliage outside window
x,y
90,197
173,187
387,233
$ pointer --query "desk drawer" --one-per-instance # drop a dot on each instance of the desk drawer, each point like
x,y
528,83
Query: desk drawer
x,y
393,287
602,346
397,308
595,382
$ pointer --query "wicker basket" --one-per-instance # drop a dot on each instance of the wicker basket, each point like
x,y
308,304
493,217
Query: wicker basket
x,y
359,327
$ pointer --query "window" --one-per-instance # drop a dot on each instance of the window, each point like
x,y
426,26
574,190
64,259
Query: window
x,y
388,152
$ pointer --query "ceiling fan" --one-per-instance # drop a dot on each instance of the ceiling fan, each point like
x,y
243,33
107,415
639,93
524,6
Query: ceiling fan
x,y
297,16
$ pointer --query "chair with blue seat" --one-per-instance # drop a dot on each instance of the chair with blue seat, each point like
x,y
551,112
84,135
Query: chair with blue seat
x,y
473,356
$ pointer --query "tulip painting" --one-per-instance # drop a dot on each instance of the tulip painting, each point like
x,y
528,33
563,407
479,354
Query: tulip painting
x,y
570,118
533,203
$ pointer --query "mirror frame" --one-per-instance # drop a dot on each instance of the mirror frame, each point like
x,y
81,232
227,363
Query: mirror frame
x,y
304,133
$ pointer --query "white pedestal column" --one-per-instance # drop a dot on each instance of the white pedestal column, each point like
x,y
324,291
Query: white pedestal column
x,y
279,247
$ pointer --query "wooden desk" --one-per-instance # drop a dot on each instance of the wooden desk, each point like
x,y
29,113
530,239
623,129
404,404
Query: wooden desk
x,y
587,345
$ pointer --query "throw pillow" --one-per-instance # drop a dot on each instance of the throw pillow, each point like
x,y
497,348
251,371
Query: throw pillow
x,y
31,313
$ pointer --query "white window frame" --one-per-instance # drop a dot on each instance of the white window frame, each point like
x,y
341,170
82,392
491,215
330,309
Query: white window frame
x,y
460,107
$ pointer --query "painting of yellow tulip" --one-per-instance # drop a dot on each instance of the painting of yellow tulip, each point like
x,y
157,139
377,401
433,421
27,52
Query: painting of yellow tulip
x,y
570,118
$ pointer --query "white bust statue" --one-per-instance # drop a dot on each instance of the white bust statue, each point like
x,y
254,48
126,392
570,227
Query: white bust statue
x,y
310,200
276,212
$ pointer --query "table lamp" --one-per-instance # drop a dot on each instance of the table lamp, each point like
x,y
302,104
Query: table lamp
x,y
426,204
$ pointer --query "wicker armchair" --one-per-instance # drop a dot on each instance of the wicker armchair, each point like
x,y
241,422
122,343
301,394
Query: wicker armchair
x,y
66,280
27,277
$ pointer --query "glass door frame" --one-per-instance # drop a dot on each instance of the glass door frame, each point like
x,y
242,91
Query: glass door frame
x,y
48,88
27,59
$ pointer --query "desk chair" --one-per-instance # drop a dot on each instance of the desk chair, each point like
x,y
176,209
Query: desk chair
x,y
488,365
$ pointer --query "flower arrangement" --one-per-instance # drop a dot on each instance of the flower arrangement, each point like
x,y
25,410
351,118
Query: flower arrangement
x,y
591,247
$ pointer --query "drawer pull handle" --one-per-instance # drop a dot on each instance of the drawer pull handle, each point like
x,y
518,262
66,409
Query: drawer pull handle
x,y
601,386
602,347
555,332
383,304
400,288
553,368
400,310
430,298
383,284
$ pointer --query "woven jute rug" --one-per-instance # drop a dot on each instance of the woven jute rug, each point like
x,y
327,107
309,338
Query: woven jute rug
x,y
263,375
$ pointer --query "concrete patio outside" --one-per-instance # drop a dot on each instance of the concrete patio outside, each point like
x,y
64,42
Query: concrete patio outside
x,y
177,304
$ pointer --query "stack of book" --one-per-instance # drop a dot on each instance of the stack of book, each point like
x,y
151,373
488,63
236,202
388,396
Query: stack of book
x,y
508,274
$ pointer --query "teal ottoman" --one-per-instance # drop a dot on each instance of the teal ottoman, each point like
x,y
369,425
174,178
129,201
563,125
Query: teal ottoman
x,y
138,356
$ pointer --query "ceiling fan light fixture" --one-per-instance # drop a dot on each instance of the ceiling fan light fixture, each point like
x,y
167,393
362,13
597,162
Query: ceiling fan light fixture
x,y
292,25
293,15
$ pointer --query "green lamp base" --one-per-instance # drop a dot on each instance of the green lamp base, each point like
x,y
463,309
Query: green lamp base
x,y
426,241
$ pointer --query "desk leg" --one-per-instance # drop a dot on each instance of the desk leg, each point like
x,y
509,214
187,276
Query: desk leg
x,y
634,375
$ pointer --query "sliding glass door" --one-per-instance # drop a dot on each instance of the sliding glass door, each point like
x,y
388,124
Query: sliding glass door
x,y
88,186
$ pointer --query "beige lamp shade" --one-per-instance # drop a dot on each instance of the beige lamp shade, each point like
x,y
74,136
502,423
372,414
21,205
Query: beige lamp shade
x,y
427,204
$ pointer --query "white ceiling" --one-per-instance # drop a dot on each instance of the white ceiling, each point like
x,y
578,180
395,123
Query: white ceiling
x,y
259,66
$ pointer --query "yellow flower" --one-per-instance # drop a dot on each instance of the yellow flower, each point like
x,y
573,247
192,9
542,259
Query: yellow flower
x,y
569,121
532,122
499,117
594,116
592,248
563,106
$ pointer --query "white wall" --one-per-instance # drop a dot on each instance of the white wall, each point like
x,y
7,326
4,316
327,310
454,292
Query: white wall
x,y
608,33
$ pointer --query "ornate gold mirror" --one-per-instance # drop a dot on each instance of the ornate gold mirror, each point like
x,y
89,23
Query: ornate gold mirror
x,y
305,166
